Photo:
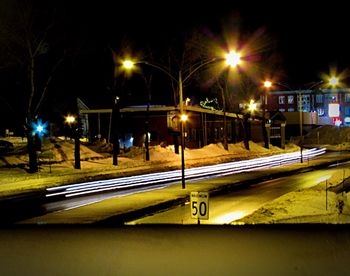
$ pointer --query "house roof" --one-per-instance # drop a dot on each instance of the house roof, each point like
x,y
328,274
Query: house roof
x,y
164,109
277,116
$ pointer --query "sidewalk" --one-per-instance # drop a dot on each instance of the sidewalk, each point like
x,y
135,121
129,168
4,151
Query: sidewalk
x,y
120,209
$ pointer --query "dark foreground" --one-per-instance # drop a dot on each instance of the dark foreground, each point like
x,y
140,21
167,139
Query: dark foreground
x,y
307,249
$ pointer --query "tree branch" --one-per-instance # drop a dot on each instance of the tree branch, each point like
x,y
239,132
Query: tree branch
x,y
47,85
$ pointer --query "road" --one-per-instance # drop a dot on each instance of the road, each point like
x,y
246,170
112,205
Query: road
x,y
227,208
61,200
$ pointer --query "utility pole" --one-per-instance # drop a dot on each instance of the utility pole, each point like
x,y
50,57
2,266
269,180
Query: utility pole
x,y
115,127
182,133
301,126
77,142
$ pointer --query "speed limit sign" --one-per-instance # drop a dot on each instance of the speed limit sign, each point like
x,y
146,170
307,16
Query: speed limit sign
x,y
200,205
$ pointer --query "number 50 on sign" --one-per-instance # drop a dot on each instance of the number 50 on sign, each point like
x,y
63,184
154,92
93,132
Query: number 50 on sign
x,y
200,205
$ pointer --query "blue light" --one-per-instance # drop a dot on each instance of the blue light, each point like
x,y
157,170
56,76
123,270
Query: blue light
x,y
39,128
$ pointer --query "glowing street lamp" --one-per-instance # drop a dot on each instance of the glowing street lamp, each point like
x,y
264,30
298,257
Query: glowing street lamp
x,y
128,64
252,106
72,120
333,81
183,120
233,58
267,84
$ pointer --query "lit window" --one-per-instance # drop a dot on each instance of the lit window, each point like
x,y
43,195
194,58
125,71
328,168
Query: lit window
x,y
281,99
305,103
347,98
290,109
319,98
282,109
291,99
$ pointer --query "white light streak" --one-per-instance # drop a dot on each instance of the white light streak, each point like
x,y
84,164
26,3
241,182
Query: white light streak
x,y
229,168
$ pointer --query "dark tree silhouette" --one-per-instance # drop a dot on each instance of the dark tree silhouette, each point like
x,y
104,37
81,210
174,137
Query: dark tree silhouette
x,y
26,44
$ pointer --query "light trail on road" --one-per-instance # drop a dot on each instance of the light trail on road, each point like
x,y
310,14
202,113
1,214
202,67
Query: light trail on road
x,y
229,168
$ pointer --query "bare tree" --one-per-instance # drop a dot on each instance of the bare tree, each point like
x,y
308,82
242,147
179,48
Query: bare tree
x,y
25,28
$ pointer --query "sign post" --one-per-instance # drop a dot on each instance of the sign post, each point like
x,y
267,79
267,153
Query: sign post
x,y
200,205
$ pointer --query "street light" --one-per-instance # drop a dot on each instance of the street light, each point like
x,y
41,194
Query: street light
x,y
268,84
231,59
72,120
183,120
252,106
129,65
334,81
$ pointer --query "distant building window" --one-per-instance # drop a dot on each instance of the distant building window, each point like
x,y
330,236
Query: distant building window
x,y
290,109
291,100
332,98
282,109
347,110
281,99
319,98
305,106
347,98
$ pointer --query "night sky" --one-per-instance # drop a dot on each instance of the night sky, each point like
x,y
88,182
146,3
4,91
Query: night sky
x,y
309,36
306,39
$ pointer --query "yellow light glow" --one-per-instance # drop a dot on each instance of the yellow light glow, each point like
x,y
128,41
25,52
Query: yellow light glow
x,y
252,106
334,78
267,84
128,64
233,58
184,117
229,217
70,119
334,81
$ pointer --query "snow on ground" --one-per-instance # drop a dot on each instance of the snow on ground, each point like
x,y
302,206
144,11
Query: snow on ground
x,y
57,167
311,205
331,137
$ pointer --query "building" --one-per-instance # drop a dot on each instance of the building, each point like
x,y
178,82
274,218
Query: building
x,y
314,108
204,126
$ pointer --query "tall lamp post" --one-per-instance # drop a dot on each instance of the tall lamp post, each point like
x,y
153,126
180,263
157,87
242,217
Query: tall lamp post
x,y
184,118
74,126
129,65
267,85
301,117
115,127
231,59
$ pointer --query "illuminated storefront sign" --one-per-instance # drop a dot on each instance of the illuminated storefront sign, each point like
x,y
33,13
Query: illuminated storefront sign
x,y
337,121
347,120
333,110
